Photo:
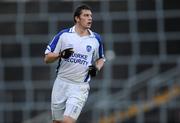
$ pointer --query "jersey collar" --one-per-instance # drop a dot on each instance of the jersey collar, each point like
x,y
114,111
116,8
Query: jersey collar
x,y
72,29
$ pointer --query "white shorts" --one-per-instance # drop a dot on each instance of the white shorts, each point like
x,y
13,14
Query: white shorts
x,y
68,98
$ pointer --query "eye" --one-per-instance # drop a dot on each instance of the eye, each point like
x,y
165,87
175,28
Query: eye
x,y
86,15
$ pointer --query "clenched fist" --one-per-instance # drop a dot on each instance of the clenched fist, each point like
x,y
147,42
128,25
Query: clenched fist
x,y
66,53
92,71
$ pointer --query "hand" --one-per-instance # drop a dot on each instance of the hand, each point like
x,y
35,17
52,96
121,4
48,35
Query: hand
x,y
92,71
66,53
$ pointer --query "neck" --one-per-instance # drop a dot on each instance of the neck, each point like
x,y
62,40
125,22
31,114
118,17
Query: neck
x,y
81,31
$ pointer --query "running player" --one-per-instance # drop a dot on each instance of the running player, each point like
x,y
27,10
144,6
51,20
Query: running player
x,y
80,54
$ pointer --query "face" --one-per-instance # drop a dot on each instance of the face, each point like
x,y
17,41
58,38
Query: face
x,y
85,19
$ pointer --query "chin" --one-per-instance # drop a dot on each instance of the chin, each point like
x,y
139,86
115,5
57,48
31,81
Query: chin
x,y
88,27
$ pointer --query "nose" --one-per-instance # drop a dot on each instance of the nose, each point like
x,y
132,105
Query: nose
x,y
90,17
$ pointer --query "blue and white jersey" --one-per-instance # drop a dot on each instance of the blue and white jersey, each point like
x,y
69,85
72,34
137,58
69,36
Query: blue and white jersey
x,y
87,49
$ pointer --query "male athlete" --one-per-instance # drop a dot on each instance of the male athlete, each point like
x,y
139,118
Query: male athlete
x,y
80,54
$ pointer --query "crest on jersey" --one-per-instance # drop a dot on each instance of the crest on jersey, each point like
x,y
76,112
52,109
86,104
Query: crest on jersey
x,y
88,48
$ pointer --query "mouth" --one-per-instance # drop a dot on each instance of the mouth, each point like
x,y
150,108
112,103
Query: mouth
x,y
89,23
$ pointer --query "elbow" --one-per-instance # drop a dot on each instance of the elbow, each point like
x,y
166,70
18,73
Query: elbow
x,y
46,60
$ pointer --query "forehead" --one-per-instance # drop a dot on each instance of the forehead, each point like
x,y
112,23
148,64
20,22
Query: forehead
x,y
85,11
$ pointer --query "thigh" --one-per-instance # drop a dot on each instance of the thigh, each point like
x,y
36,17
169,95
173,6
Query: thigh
x,y
72,111
58,99
57,115
78,95
59,91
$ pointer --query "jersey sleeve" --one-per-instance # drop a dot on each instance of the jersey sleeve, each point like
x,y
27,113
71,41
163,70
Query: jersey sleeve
x,y
99,51
56,44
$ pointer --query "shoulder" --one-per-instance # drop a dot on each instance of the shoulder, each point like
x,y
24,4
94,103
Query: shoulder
x,y
63,31
98,37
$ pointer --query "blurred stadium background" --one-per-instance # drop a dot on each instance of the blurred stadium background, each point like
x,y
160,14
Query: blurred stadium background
x,y
140,82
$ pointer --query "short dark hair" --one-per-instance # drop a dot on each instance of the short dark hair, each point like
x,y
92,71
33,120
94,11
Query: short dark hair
x,y
79,9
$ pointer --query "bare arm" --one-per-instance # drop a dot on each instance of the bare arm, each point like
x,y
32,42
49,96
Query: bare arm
x,y
51,57
99,63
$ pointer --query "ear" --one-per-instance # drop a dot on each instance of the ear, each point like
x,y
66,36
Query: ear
x,y
77,19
